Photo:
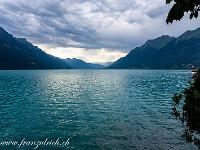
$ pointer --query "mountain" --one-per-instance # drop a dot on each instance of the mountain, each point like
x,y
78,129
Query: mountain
x,y
19,54
106,63
164,52
96,66
77,63
80,64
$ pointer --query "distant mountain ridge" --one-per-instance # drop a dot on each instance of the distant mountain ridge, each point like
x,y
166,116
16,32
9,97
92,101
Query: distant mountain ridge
x,y
80,64
19,54
164,52
106,63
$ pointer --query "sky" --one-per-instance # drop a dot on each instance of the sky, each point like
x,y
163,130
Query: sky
x,y
91,30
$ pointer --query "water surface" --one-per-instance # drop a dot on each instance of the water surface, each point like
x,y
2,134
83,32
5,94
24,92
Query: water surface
x,y
96,109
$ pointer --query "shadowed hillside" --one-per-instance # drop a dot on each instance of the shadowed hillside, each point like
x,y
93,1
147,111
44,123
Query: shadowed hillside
x,y
164,52
19,54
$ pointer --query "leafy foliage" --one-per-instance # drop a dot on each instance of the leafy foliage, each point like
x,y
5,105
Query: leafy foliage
x,y
180,7
190,112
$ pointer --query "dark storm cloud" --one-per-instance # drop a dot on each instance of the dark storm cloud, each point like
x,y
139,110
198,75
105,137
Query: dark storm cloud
x,y
90,24
46,22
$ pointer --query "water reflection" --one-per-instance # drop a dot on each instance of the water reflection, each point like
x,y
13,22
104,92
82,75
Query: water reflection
x,y
105,109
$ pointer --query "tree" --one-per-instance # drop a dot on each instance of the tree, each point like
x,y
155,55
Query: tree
x,y
189,114
180,7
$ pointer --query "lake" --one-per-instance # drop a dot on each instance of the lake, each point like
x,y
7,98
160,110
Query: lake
x,y
91,109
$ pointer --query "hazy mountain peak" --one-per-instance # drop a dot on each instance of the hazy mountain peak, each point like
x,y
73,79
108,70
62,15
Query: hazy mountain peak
x,y
80,64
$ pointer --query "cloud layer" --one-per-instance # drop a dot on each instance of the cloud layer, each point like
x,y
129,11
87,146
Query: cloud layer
x,y
89,27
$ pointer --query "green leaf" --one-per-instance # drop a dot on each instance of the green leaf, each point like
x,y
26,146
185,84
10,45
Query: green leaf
x,y
177,98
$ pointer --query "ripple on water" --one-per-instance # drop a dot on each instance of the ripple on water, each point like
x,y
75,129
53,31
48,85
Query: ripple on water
x,y
97,109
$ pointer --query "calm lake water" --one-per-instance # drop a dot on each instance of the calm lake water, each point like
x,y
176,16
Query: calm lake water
x,y
92,109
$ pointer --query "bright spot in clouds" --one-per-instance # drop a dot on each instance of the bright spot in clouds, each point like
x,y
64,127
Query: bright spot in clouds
x,y
93,30
91,55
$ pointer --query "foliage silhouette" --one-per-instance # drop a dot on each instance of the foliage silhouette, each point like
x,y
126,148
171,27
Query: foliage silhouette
x,y
189,114
180,7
